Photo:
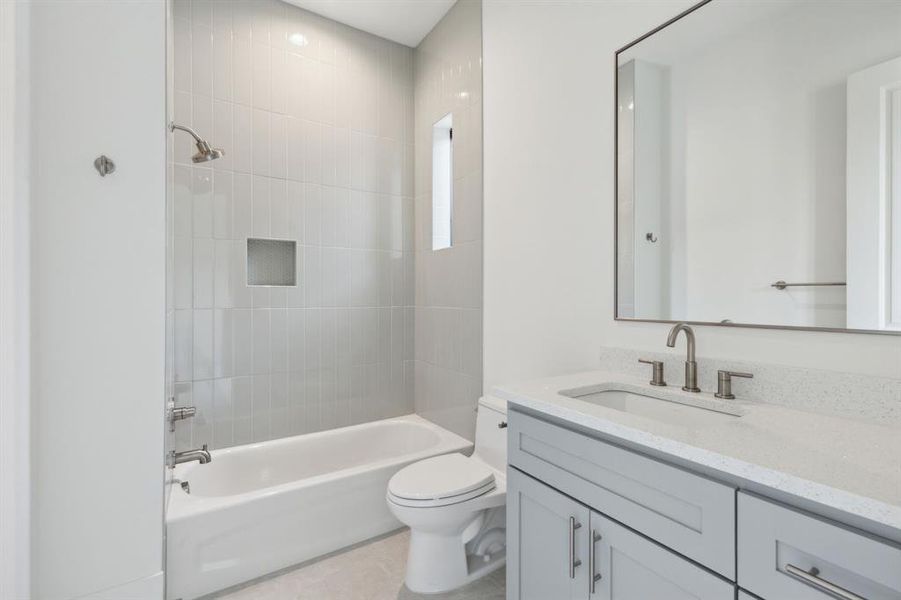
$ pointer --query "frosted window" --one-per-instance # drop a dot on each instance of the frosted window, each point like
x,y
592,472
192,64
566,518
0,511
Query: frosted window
x,y
442,181
271,262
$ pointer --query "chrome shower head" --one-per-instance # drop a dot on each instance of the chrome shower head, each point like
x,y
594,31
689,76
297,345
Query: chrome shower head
x,y
205,152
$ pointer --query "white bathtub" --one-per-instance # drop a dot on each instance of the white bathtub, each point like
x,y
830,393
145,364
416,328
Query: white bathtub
x,y
262,507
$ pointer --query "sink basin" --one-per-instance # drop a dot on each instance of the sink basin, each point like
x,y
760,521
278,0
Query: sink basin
x,y
672,410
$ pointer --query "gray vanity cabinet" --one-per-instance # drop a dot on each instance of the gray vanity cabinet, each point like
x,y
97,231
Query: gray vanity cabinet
x,y
693,515
785,553
631,567
548,544
559,550
589,519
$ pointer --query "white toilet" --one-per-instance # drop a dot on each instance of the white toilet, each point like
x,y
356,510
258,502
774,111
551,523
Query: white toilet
x,y
455,506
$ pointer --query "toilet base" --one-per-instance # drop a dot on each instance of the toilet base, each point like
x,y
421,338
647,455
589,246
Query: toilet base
x,y
440,562
436,564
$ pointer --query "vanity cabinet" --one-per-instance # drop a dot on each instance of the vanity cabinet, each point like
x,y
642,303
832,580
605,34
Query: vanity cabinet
x,y
549,543
630,566
562,550
785,553
693,515
589,519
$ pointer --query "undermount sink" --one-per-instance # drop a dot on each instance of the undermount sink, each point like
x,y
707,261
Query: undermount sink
x,y
672,409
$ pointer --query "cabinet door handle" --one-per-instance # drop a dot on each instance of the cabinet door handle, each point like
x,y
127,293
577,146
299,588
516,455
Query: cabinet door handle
x,y
573,562
592,560
810,578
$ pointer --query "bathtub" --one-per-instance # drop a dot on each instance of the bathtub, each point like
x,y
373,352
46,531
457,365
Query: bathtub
x,y
262,507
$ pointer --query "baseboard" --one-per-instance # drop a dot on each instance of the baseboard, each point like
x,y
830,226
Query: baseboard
x,y
147,588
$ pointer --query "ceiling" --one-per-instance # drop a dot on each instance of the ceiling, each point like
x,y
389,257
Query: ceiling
x,y
701,30
403,21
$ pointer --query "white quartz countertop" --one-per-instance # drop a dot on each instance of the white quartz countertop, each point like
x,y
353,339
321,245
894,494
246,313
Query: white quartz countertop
x,y
849,465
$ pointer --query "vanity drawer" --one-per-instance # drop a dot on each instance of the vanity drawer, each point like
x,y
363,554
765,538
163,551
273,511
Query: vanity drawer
x,y
686,512
773,539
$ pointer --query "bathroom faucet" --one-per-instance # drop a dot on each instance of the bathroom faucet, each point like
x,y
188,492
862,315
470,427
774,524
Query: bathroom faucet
x,y
691,367
201,455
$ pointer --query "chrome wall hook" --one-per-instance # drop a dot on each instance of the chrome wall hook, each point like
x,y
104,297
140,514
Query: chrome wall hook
x,y
104,165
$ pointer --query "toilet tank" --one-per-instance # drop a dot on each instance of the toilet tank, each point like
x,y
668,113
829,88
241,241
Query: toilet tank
x,y
491,437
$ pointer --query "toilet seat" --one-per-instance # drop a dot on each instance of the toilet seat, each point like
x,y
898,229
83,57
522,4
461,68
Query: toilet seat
x,y
440,481
441,501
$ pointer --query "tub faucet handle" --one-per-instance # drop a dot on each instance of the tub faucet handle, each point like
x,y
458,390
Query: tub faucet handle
x,y
178,413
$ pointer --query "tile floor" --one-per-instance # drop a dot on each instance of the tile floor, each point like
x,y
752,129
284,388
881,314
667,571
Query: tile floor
x,y
370,571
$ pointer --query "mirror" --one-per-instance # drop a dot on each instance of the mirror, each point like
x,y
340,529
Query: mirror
x,y
758,167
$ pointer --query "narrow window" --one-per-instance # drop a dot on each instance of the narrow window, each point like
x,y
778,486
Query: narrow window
x,y
442,181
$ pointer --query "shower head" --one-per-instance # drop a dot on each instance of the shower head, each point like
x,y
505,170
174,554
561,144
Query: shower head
x,y
205,152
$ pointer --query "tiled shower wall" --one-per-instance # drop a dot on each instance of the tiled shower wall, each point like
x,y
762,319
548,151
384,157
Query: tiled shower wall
x,y
316,120
448,79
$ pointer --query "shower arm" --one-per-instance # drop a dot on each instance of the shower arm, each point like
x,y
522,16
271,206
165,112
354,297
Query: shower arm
x,y
173,126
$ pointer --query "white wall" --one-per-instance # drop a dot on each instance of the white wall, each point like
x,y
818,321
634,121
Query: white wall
x,y
98,86
15,509
549,196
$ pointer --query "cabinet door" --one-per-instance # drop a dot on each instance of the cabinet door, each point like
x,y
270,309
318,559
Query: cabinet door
x,y
628,566
547,542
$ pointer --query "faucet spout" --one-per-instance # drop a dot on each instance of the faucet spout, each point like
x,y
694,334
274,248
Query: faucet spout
x,y
691,366
689,338
201,455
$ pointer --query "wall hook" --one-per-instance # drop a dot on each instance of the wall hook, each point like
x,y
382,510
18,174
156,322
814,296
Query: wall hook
x,y
651,237
104,165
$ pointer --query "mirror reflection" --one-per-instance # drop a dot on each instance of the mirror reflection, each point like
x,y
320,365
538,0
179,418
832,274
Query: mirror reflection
x,y
759,166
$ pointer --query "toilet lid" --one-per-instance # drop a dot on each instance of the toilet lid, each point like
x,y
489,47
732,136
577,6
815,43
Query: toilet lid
x,y
440,477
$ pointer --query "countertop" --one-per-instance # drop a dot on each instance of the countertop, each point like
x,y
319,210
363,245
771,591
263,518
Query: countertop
x,y
847,465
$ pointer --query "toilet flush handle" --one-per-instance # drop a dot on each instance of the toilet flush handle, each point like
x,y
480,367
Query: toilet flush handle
x,y
502,425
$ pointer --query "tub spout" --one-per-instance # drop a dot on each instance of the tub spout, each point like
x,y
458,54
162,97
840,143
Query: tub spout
x,y
201,455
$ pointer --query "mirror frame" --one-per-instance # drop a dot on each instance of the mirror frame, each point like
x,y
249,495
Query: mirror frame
x,y
616,316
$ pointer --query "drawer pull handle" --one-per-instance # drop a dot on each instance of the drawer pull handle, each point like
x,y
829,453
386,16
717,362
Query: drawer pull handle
x,y
810,578
592,560
573,562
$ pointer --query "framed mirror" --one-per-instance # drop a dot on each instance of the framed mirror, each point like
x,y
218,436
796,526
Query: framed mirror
x,y
758,167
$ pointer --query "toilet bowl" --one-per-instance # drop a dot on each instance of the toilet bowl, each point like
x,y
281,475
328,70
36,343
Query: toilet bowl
x,y
455,507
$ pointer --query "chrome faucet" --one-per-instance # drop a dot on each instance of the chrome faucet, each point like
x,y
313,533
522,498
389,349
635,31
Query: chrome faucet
x,y
201,455
691,367
180,413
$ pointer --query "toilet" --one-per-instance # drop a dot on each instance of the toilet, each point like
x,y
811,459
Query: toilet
x,y
455,507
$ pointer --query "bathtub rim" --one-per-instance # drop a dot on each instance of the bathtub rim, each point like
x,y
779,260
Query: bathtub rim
x,y
184,506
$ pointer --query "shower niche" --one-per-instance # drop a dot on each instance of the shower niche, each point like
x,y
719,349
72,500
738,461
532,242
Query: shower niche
x,y
271,262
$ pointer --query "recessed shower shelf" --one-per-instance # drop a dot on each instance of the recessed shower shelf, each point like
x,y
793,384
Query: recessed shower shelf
x,y
271,262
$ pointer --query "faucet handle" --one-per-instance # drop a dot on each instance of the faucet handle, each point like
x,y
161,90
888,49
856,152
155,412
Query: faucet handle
x,y
179,413
658,371
724,383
